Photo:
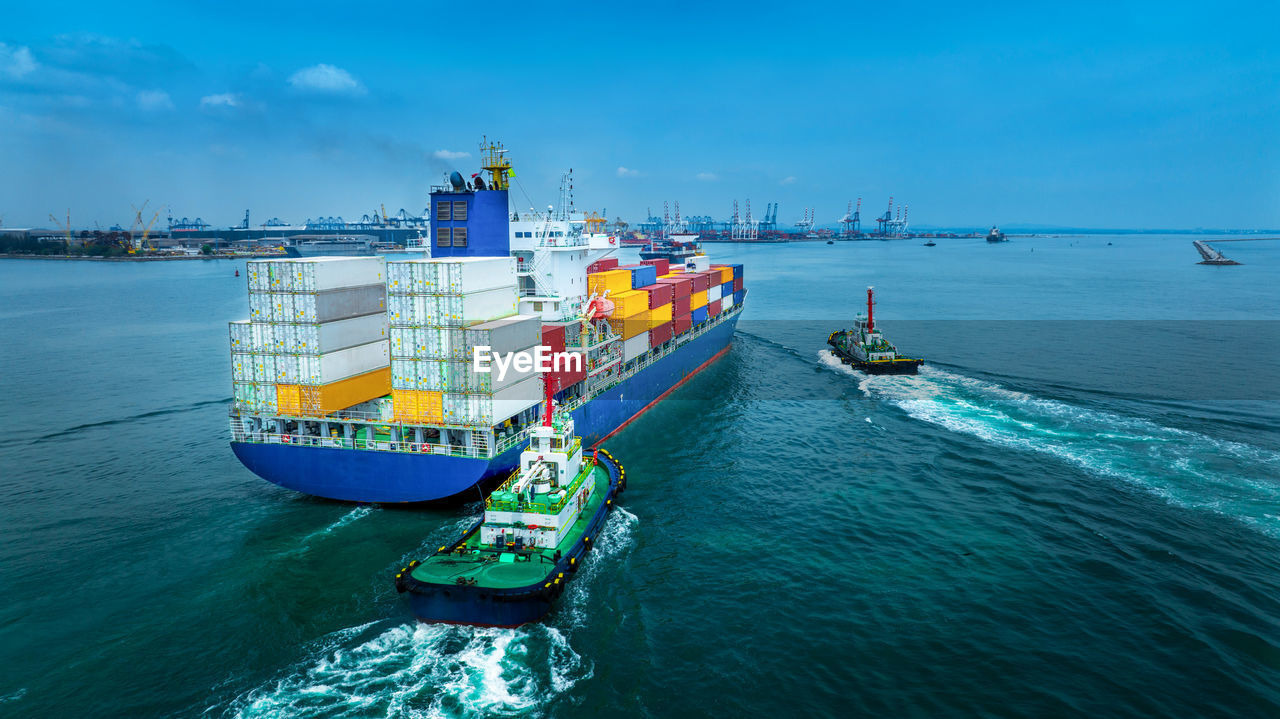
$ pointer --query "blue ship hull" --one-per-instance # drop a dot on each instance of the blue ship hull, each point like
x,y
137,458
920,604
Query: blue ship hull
x,y
358,475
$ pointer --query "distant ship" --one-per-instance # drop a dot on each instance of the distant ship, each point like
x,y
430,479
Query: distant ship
x,y
329,245
995,235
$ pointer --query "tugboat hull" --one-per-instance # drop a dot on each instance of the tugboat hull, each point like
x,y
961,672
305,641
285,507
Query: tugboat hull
x,y
508,607
897,366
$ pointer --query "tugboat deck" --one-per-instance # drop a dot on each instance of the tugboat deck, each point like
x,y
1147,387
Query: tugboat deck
x,y
467,562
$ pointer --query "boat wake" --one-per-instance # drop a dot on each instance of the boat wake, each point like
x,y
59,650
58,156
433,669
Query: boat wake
x,y
426,670
614,542
1187,469
431,670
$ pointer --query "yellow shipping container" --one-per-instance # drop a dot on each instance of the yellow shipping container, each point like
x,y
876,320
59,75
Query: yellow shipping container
x,y
628,327
726,274
325,399
630,303
417,406
659,315
615,281
698,299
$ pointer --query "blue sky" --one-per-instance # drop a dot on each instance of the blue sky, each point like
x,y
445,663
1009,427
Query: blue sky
x,y
1152,115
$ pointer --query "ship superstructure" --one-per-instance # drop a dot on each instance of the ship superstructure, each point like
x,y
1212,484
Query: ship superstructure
x,y
421,423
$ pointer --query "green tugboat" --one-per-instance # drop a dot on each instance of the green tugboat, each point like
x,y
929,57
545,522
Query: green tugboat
x,y
508,569
866,349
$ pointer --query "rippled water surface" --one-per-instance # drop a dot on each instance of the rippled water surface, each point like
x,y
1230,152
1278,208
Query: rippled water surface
x,y
1073,509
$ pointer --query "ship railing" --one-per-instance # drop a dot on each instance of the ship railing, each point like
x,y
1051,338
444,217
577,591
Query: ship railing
x,y
375,444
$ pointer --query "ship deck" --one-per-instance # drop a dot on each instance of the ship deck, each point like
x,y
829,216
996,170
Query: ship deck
x,y
487,568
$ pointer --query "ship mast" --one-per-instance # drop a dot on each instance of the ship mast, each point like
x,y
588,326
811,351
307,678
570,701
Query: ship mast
x,y
546,413
871,325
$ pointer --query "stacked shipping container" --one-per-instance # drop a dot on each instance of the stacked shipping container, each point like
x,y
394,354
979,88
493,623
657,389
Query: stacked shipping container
x,y
442,310
316,340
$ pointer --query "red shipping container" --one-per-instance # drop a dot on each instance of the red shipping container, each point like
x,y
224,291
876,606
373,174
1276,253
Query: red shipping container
x,y
737,285
701,281
681,323
713,308
606,264
660,263
661,333
659,294
566,378
680,286
680,306
553,337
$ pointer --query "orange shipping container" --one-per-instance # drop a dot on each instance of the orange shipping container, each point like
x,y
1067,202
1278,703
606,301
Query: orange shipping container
x,y
659,316
628,327
614,281
629,303
698,299
417,406
325,399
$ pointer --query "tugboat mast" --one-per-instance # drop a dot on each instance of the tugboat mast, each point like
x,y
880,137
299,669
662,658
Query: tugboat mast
x,y
871,324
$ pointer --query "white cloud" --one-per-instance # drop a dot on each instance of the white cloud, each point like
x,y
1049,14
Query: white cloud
x,y
627,172
788,180
223,99
449,155
707,176
326,78
154,100
16,61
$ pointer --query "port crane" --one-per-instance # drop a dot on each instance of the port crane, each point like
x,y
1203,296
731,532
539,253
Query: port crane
x,y
65,227
146,228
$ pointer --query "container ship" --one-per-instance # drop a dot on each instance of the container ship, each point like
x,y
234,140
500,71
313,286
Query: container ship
x,y
356,378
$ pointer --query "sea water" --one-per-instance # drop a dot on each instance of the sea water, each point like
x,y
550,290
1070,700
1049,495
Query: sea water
x,y
1073,509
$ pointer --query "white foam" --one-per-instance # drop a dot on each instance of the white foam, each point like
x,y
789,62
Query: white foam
x,y
1186,468
420,670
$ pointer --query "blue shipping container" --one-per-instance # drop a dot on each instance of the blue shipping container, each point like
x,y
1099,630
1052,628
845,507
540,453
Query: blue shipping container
x,y
699,315
737,297
737,271
643,276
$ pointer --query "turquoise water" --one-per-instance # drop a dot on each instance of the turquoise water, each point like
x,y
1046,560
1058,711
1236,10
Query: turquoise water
x,y
1074,509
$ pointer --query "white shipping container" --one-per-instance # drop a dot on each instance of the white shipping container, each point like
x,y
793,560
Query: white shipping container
x,y
332,366
259,306
713,293
246,396
464,275
241,367
487,410
450,275
318,338
315,274
451,310
411,277
726,303
265,398
338,304
264,368
261,338
257,274
241,335
635,346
